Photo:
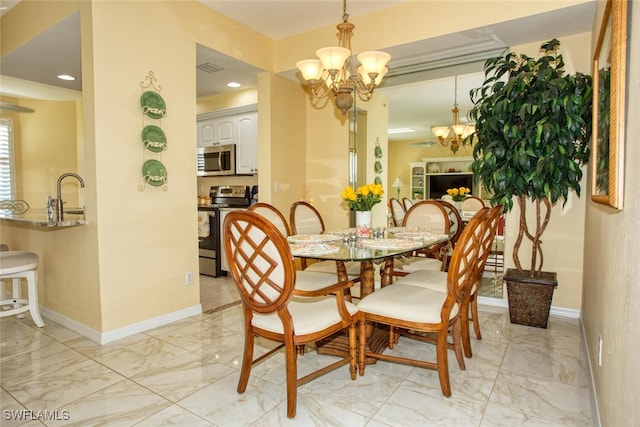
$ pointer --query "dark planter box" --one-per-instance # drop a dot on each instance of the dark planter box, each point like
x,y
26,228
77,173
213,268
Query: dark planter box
x,y
530,298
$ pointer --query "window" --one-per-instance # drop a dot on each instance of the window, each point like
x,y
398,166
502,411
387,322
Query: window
x,y
7,172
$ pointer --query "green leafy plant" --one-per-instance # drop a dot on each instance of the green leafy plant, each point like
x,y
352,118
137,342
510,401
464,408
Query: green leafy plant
x,y
533,127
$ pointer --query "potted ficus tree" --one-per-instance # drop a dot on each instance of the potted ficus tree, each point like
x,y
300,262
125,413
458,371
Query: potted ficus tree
x,y
533,127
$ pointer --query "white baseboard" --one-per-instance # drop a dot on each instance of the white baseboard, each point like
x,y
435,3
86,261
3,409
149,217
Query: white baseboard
x,y
592,385
554,311
125,331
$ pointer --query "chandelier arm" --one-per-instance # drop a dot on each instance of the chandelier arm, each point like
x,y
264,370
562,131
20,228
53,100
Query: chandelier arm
x,y
343,81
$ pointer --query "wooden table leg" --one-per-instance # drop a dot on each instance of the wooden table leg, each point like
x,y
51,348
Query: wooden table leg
x,y
377,338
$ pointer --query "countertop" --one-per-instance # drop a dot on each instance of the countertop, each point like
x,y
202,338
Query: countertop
x,y
38,218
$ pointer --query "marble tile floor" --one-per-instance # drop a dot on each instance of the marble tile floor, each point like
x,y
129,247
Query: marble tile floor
x,y
186,373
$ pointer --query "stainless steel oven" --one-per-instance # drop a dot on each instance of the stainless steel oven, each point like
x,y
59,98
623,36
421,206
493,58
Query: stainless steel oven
x,y
217,160
211,252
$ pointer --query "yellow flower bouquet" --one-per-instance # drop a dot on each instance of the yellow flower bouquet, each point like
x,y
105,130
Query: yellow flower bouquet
x,y
458,194
364,198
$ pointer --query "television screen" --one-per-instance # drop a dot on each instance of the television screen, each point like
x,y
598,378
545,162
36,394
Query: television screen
x,y
439,184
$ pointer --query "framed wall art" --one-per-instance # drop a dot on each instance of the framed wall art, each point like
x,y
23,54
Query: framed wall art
x,y
609,78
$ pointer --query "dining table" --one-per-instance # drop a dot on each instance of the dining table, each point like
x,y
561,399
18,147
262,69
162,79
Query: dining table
x,y
384,245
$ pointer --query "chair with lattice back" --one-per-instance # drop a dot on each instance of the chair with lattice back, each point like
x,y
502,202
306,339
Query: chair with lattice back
x,y
305,219
421,310
262,268
397,212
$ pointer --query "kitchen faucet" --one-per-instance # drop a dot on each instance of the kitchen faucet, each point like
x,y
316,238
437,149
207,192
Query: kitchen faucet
x,y
59,204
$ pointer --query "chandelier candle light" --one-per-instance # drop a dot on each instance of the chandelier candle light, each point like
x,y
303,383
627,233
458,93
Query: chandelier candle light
x,y
460,131
362,201
336,73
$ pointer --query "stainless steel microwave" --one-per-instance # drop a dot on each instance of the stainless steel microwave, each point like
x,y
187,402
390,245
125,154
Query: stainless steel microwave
x,y
217,160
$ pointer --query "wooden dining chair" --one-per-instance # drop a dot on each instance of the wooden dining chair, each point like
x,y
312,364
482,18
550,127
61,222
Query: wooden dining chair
x,y
275,308
305,219
455,221
407,203
423,310
430,215
271,213
397,212
436,280
472,204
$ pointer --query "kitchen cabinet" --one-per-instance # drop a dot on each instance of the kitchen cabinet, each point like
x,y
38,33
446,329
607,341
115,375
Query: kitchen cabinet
x,y
217,131
247,143
237,126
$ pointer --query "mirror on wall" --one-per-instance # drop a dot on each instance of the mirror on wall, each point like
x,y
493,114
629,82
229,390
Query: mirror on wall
x,y
421,104
357,151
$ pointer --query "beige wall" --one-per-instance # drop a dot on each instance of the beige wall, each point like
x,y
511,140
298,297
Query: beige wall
x,y
611,294
134,254
128,265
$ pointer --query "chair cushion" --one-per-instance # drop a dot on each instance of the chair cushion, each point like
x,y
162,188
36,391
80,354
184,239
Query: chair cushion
x,y
313,281
428,279
16,261
411,264
406,302
309,315
353,268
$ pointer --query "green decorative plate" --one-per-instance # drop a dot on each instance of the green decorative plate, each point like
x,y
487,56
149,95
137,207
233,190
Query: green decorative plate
x,y
378,167
378,152
154,173
154,139
153,105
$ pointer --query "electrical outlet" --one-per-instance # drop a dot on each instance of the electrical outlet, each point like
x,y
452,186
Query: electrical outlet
x,y
188,278
599,350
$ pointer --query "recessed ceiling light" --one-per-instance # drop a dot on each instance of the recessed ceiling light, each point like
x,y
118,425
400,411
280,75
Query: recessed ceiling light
x,y
234,84
66,77
400,130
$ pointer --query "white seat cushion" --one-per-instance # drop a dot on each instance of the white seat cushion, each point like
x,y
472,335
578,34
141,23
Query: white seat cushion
x,y
309,315
16,261
406,302
313,281
353,268
429,279
411,264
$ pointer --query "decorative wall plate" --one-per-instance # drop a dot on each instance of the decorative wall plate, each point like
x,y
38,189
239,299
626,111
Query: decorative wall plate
x,y
154,173
153,105
154,139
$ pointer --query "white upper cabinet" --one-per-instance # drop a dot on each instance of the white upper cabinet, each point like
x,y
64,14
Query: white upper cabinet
x,y
247,143
237,126
217,131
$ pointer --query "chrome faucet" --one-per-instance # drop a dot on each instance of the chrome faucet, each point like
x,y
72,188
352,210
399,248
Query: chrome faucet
x,y
59,204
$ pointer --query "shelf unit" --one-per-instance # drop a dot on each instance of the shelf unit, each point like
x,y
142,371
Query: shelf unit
x,y
423,175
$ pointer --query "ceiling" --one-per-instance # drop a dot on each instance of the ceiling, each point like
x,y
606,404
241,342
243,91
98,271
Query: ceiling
x,y
419,87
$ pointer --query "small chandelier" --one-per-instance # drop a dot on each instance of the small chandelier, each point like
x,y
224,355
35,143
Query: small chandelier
x,y
336,73
460,131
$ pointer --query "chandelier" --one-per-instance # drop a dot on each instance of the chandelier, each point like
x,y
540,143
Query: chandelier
x,y
453,136
335,72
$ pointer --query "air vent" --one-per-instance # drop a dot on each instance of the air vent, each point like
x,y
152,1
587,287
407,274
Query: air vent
x,y
208,67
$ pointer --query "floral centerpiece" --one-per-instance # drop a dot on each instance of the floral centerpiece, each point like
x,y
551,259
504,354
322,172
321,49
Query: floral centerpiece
x,y
458,194
364,198
362,201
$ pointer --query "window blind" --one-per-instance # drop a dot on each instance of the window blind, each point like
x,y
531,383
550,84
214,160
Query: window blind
x,y
7,172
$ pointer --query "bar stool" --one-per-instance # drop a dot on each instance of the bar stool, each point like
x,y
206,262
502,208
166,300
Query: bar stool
x,y
17,265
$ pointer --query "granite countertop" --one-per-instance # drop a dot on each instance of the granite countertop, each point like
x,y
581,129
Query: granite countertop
x,y
38,218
